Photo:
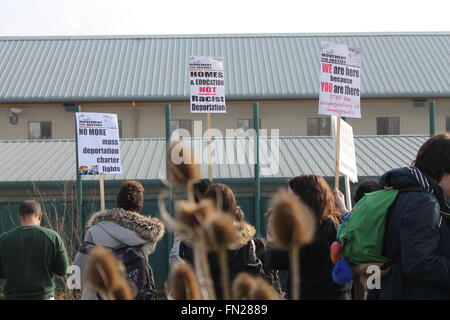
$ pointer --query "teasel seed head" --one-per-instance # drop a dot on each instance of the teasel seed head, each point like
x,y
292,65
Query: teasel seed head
x,y
293,222
181,163
183,283
242,287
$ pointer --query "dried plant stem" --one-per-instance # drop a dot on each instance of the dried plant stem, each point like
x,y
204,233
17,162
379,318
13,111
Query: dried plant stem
x,y
190,190
207,273
199,271
295,271
224,273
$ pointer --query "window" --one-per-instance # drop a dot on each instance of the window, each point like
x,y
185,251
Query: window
x,y
120,128
40,130
180,124
388,125
447,124
319,127
246,124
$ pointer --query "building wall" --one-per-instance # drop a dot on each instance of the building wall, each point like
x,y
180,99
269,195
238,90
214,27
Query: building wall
x,y
147,120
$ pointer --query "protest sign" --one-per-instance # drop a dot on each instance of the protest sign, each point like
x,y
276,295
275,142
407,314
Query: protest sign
x,y
98,143
207,85
340,80
347,156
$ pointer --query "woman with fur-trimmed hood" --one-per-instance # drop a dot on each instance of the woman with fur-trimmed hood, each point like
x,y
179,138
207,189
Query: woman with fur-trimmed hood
x,y
122,226
242,259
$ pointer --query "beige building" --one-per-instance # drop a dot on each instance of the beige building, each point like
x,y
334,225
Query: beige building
x,y
291,118
136,76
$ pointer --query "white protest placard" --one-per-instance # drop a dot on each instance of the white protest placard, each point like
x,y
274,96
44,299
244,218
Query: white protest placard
x,y
207,85
98,143
347,155
340,80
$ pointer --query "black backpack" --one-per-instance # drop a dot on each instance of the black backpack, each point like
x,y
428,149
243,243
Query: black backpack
x,y
137,269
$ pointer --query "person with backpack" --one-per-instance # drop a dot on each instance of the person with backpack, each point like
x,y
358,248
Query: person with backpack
x,y
359,290
315,261
417,237
242,259
130,235
30,256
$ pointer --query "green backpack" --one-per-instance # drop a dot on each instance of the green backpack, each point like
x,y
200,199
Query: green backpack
x,y
362,232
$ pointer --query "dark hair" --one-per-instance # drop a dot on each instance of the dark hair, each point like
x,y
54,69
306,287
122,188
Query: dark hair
x,y
364,187
316,193
433,157
200,188
131,196
29,207
223,196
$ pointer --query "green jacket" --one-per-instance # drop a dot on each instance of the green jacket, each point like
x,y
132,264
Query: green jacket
x,y
29,257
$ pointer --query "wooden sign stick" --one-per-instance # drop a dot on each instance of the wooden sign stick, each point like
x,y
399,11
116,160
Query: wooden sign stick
x,y
338,146
102,191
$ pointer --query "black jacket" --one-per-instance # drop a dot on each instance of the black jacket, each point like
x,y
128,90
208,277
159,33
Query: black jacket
x,y
417,239
315,266
240,260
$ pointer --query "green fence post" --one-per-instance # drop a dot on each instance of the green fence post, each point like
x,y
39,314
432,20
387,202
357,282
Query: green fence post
x,y
79,183
257,180
169,176
432,113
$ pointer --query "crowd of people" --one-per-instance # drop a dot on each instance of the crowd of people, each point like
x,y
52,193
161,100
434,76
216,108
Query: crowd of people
x,y
416,242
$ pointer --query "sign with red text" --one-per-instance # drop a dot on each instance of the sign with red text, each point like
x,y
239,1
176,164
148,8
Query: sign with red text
x,y
207,85
98,143
347,155
340,80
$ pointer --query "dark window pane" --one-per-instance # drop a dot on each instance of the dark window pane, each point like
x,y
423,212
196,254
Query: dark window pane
x,y
447,125
382,126
185,124
46,130
313,127
120,128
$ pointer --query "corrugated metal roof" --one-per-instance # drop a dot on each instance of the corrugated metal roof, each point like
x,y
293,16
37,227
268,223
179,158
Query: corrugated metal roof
x,y
143,159
271,66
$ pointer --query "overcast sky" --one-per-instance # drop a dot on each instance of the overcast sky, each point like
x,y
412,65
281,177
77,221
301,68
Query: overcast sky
x,y
121,17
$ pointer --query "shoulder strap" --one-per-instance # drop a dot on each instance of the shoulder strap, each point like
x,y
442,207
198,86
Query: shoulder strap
x,y
86,247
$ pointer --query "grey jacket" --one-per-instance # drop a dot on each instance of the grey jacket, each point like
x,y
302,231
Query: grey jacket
x,y
115,227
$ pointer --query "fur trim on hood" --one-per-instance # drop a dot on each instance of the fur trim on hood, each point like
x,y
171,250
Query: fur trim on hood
x,y
148,228
245,232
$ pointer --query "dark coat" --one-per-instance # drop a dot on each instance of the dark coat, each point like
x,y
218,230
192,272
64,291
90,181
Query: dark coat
x,y
417,239
240,260
315,266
